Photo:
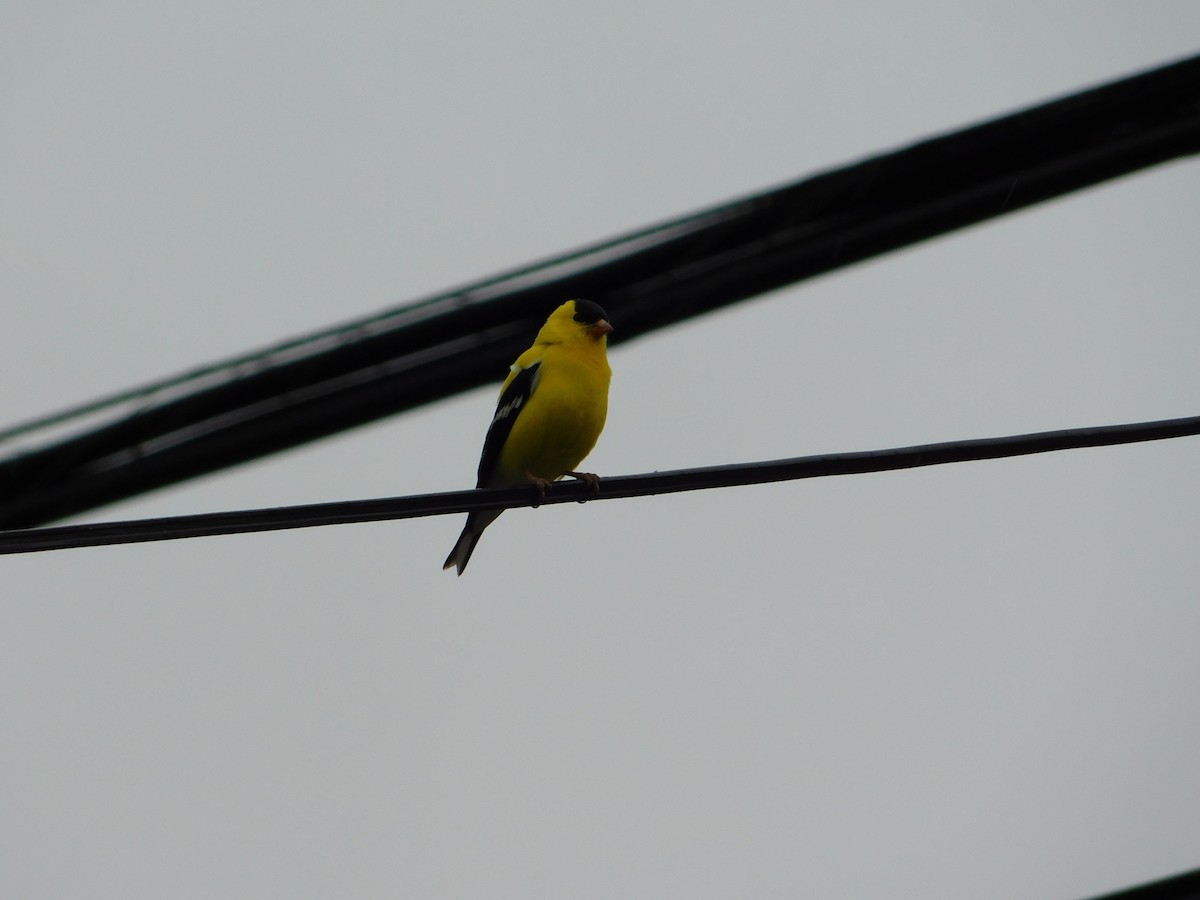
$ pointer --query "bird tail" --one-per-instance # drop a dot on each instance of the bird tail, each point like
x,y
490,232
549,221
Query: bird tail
x,y
471,533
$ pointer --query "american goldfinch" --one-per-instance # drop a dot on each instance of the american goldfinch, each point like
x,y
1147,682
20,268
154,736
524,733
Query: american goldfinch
x,y
551,411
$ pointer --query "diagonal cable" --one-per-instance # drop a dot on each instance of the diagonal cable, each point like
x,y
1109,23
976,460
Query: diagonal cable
x,y
358,372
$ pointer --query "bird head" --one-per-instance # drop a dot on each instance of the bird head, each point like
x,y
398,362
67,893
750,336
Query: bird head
x,y
588,314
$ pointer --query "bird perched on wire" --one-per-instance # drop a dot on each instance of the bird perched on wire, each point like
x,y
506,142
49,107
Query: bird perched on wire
x,y
551,411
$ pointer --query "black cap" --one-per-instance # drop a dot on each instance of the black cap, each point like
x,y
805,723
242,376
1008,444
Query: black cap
x,y
589,313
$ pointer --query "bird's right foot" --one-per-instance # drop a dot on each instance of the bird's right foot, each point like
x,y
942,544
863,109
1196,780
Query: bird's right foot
x,y
541,485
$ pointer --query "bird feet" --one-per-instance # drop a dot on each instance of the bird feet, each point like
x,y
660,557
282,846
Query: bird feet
x,y
593,481
541,485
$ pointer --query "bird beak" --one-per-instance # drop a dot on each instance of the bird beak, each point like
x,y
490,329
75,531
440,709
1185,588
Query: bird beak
x,y
600,329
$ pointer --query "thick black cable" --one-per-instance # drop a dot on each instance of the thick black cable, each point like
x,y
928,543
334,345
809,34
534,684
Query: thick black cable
x,y
653,278
350,511
1185,886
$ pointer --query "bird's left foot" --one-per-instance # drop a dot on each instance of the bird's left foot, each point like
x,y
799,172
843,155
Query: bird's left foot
x,y
593,481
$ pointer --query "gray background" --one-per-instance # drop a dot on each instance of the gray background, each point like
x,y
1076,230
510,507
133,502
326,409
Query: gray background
x,y
975,681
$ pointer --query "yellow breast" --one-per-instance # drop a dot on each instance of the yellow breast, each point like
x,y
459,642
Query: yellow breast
x,y
563,418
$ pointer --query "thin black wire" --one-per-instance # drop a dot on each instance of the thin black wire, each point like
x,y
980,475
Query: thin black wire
x,y
1185,886
350,511
650,279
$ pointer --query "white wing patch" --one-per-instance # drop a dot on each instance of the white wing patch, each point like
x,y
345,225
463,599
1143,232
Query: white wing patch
x,y
513,406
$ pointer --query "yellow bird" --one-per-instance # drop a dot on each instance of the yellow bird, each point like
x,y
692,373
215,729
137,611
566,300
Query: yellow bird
x,y
551,411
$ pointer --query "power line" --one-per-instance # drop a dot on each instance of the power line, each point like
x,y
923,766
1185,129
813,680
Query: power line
x,y
236,367
308,388
350,511
1185,886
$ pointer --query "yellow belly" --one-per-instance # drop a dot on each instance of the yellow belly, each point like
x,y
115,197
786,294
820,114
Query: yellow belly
x,y
560,424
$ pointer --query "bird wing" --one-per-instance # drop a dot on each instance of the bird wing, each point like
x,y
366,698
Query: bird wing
x,y
522,381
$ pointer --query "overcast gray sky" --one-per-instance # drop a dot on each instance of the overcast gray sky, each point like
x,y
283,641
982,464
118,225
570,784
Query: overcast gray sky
x,y
971,681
